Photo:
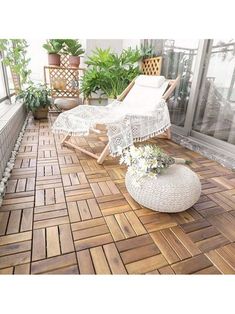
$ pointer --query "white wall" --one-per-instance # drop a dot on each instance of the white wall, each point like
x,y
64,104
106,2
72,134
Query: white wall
x,y
132,43
39,59
114,44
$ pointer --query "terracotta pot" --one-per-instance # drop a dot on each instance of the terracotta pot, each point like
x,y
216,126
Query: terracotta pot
x,y
54,59
74,61
40,113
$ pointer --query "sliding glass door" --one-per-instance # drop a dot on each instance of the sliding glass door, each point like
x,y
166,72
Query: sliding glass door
x,y
203,105
179,60
215,108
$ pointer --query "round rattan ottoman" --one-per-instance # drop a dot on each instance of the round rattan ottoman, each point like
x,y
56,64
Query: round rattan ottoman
x,y
174,190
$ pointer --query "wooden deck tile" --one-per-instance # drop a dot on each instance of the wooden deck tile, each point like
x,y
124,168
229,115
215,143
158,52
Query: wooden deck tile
x,y
53,263
85,262
100,263
65,214
39,244
192,265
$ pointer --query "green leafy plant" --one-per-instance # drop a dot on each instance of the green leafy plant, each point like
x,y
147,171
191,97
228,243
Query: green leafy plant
x,y
54,46
73,47
35,97
109,72
147,51
15,56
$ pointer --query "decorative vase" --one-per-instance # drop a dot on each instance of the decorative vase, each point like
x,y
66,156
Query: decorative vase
x,y
74,61
54,59
176,189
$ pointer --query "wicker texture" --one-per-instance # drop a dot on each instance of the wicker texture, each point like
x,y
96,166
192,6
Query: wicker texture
x,y
152,66
175,190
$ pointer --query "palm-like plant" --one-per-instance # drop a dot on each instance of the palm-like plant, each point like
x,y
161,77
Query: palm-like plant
x,y
73,47
110,72
54,46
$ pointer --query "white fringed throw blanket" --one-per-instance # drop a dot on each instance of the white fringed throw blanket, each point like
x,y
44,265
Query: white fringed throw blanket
x,y
124,128
142,115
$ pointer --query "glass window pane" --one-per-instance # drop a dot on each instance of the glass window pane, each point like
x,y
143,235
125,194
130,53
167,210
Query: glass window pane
x,y
179,59
2,84
179,56
10,81
215,114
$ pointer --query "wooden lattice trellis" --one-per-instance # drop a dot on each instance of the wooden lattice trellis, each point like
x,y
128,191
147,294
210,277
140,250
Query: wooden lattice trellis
x,y
16,82
63,80
152,66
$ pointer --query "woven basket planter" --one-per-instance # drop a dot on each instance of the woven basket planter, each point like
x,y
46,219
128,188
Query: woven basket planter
x,y
174,190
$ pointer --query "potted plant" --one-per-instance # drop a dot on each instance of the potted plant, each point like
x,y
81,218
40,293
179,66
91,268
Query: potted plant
x,y
36,99
74,49
53,47
109,72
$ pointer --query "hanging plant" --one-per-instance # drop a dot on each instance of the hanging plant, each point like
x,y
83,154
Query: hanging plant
x,y
14,54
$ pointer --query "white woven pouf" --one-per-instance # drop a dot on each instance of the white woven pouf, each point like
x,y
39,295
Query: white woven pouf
x,y
176,189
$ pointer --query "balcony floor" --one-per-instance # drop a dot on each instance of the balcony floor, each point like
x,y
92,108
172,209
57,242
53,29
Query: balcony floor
x,y
64,214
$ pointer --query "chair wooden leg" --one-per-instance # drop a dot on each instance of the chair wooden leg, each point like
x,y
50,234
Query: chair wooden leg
x,y
67,137
103,155
168,133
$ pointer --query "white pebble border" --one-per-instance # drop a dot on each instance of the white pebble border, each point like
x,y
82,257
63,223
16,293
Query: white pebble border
x,y
10,165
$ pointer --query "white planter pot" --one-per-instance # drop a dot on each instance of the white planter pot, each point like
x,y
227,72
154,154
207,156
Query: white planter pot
x,y
110,100
98,101
174,190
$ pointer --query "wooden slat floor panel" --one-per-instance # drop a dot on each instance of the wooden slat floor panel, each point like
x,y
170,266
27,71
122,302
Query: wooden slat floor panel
x,y
65,214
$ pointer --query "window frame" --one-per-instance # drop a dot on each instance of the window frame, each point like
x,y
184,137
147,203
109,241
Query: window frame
x,y
5,79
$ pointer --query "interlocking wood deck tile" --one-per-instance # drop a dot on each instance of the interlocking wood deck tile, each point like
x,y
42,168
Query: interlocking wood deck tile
x,y
192,265
53,264
85,262
22,269
13,248
65,214
99,260
166,270
205,236
69,270
223,265
7,271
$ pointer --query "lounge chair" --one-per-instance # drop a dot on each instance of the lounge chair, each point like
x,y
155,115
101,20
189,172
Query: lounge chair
x,y
139,113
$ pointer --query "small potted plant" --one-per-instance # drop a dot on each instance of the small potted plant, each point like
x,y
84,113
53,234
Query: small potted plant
x,y
36,99
53,47
74,49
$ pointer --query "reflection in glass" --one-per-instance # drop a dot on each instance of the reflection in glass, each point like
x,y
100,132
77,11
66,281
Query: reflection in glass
x,y
178,59
215,114
2,82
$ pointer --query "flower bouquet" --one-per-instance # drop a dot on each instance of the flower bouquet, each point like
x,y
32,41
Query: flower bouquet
x,y
147,160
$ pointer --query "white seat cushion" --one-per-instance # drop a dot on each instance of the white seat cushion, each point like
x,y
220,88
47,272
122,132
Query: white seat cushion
x,y
150,80
143,98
